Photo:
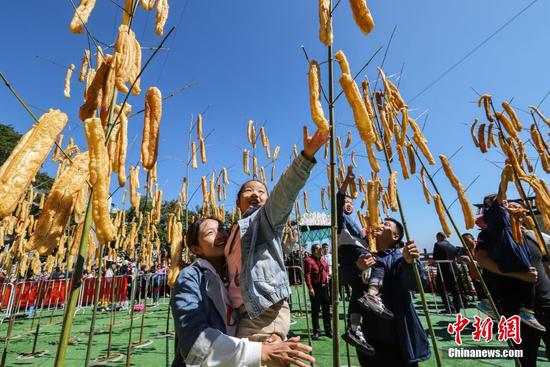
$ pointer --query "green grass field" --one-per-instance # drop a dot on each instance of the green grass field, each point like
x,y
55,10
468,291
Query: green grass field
x,y
155,353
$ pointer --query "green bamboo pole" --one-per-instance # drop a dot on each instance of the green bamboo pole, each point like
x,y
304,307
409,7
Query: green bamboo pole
x,y
333,210
68,317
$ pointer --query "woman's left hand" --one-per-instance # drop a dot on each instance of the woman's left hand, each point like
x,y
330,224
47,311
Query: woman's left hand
x,y
286,353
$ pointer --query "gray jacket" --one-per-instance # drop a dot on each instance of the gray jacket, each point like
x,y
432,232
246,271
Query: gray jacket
x,y
264,279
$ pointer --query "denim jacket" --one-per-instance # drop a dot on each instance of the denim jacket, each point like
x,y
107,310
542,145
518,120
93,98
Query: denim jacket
x,y
264,279
199,309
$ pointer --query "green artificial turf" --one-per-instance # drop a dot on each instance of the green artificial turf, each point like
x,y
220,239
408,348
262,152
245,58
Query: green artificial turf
x,y
155,323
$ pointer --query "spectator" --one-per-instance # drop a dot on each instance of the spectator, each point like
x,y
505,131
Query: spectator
x,y
447,271
317,280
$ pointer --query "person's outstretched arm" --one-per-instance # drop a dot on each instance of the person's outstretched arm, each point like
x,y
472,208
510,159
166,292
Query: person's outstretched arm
x,y
279,205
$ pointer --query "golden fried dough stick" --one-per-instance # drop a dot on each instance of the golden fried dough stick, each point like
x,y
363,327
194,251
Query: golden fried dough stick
x,y
267,149
507,125
122,148
486,101
306,202
203,150
81,15
67,91
361,117
162,16
362,15
153,114
538,112
348,140
175,253
84,65
373,198
326,150
195,165
490,136
392,191
246,162
27,157
353,163
510,111
135,196
127,60
199,126
58,206
473,134
263,137
317,114
469,219
541,147
506,177
275,153
410,155
372,158
403,162
249,132
441,214
425,190
94,91
481,138
325,23
339,146
99,178
255,166
421,141
323,199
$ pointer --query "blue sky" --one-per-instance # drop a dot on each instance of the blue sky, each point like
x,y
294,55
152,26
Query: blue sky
x,y
247,59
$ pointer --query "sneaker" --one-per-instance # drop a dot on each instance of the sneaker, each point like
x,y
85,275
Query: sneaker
x,y
315,336
374,304
528,317
486,308
356,339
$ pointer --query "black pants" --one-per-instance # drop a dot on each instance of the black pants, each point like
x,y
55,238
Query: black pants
x,y
385,356
321,301
531,338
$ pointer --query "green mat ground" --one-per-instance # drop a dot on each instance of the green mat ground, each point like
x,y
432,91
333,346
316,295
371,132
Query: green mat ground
x,y
155,354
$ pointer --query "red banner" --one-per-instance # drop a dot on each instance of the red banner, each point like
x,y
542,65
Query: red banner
x,y
52,293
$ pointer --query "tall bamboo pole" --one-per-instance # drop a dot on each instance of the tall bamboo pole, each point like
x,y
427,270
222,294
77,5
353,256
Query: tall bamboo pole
x,y
333,211
68,316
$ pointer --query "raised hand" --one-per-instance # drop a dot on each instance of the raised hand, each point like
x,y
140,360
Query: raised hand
x,y
313,143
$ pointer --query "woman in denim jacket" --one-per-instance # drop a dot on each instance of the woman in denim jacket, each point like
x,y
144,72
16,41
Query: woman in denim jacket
x,y
200,310
258,280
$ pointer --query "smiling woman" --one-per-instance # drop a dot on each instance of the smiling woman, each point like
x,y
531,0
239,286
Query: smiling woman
x,y
203,318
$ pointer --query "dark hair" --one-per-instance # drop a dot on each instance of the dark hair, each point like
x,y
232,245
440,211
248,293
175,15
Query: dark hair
x,y
399,226
488,200
324,244
467,234
314,246
192,237
244,184
440,234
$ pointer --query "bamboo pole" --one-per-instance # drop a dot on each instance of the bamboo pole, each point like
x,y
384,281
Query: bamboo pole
x,y
333,209
68,316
